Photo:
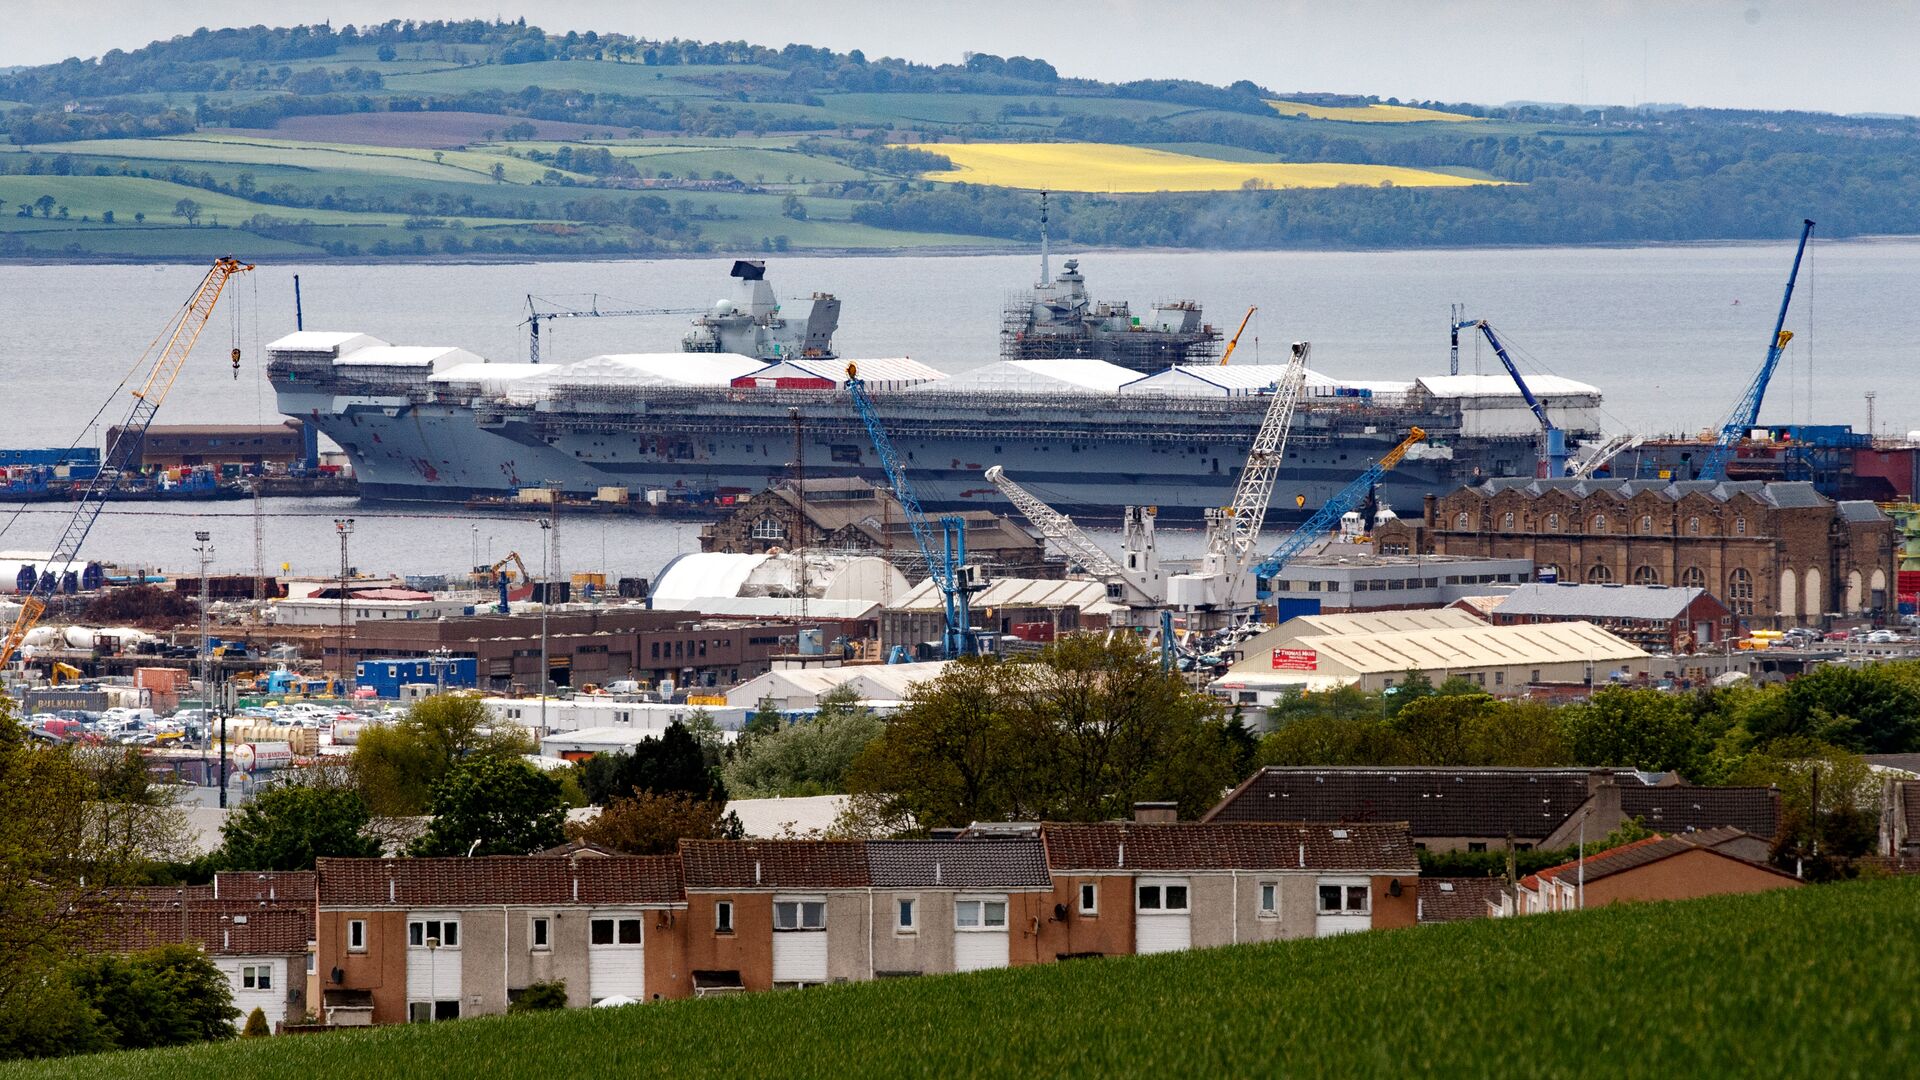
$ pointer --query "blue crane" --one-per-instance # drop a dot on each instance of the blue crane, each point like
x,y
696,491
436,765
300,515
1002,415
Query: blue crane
x,y
1553,448
1329,515
1747,413
948,569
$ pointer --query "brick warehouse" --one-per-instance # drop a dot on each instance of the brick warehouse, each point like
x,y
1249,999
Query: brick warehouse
x,y
1774,553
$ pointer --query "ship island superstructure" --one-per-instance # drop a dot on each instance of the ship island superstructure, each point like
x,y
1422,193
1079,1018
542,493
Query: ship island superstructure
x,y
440,423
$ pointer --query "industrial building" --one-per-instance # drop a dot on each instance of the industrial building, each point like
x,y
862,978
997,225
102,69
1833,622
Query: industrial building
x,y
1658,618
170,446
1376,651
793,584
1022,608
1777,554
1347,577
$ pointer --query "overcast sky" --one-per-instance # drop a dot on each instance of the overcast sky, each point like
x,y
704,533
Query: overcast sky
x,y
1835,55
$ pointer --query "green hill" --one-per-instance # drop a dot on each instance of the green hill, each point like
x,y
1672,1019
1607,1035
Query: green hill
x,y
499,140
1812,982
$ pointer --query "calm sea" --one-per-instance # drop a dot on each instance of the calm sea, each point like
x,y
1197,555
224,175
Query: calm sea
x,y
1671,335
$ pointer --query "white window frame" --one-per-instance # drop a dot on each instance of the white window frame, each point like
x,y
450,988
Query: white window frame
x,y
1161,888
313,962
441,924
723,917
1263,891
1089,898
617,918
981,906
540,933
802,905
906,915
1346,887
356,935
256,976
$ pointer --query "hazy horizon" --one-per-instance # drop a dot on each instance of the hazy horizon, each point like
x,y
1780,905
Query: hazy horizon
x,y
1759,54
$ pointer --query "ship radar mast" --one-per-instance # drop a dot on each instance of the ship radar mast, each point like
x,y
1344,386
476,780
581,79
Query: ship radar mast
x,y
1044,276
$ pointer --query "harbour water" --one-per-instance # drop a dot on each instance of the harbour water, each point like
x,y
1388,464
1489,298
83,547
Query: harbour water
x,y
1671,335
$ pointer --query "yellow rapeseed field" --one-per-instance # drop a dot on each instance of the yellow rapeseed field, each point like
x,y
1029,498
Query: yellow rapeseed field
x,y
1104,167
1366,114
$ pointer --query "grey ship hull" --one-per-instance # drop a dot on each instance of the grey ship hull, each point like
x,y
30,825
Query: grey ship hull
x,y
1087,457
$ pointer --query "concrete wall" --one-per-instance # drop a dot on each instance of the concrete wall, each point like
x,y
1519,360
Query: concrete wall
x,y
926,951
849,955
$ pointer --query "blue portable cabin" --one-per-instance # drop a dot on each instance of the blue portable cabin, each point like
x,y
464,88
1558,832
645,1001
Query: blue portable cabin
x,y
386,676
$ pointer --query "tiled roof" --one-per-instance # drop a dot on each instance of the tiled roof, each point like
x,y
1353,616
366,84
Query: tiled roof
x,y
132,919
1456,899
277,885
1229,846
1637,854
1524,803
775,864
1859,510
422,883
1785,494
958,864
1677,809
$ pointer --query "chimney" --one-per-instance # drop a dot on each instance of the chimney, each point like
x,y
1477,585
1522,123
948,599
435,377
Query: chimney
x,y
1430,508
1156,813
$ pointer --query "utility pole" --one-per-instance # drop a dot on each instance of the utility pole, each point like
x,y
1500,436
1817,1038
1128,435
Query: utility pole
x,y
204,549
800,517
259,552
546,603
343,526
441,657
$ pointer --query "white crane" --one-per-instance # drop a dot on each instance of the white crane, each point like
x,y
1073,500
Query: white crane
x,y
1604,454
1140,581
1221,582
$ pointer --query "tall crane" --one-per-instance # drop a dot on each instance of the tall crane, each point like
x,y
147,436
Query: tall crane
x,y
1235,343
1329,515
179,336
1140,580
1747,413
1553,441
502,579
948,570
1604,455
592,311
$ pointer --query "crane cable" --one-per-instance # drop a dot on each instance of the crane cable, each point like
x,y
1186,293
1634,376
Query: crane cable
x,y
114,395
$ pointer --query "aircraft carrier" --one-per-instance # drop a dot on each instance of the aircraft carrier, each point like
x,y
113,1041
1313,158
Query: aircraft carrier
x,y
722,415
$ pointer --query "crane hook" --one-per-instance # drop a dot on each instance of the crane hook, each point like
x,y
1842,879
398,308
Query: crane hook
x,y
236,363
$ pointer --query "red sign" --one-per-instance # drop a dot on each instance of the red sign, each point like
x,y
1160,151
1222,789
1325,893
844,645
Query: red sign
x,y
1296,660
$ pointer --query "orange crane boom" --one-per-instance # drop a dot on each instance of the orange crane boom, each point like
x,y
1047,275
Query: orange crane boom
x,y
1248,317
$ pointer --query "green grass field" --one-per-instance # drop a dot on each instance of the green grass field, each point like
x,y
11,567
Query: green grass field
x,y
1812,982
604,77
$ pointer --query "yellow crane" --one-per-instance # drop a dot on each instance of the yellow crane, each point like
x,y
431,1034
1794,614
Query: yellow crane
x,y
174,342
1244,320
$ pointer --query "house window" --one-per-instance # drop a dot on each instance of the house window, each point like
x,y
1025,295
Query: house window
x,y
1599,575
1646,524
614,931
1476,847
1461,520
980,914
1693,526
800,915
1693,578
256,977
1089,898
1499,678
1344,900
434,933
356,935
313,960
540,932
1506,521
422,1012
1553,522
904,917
1162,898
769,528
1740,591
723,917
1269,899
1646,575
1599,523
1739,526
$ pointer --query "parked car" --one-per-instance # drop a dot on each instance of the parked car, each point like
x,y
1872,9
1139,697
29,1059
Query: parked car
x,y
1882,637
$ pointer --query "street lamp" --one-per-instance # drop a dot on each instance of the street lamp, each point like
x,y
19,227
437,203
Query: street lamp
x,y
343,526
546,602
204,549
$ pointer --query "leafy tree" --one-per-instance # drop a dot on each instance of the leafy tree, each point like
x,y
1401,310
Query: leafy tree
x,y
766,719
540,997
286,828
493,806
46,204
166,996
649,824
1644,729
808,758
396,766
673,763
1822,839
256,1025
1872,710
188,210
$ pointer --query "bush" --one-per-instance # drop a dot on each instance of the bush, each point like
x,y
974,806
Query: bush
x,y
256,1025
160,997
540,997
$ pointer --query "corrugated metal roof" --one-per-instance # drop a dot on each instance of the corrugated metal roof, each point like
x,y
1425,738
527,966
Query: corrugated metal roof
x,y
1482,646
1598,601
1011,592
